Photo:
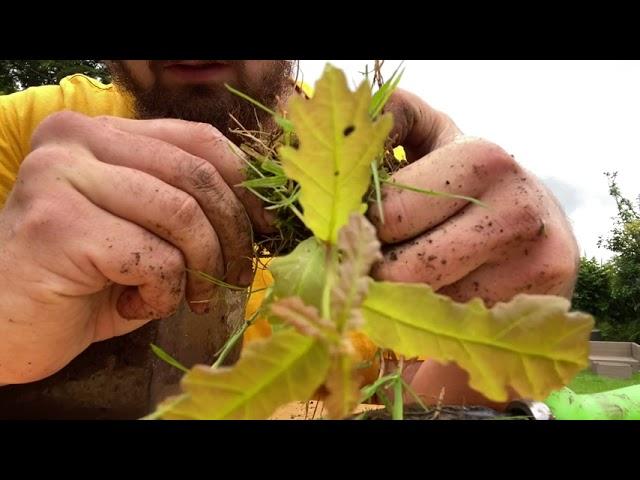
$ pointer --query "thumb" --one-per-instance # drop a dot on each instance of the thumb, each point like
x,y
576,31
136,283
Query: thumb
x,y
417,126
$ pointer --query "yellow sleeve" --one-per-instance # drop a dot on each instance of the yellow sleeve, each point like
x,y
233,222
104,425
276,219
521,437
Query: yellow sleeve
x,y
22,112
12,143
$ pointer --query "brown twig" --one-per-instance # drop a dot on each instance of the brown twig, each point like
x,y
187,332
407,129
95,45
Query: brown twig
x,y
439,404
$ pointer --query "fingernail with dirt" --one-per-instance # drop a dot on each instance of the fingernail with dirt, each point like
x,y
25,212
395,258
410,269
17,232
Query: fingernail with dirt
x,y
246,277
199,297
131,306
240,274
200,307
269,220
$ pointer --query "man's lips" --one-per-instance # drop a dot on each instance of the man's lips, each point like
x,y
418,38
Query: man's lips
x,y
194,63
198,71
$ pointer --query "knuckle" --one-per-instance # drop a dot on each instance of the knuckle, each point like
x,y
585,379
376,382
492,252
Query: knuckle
x,y
172,264
187,212
203,133
103,122
209,248
103,119
42,218
43,159
203,176
493,159
56,125
524,221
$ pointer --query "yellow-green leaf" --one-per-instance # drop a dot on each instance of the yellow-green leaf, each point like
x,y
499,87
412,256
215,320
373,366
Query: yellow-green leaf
x,y
285,368
337,142
342,385
300,273
532,343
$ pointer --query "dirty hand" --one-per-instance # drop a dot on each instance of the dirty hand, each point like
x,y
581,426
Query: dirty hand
x,y
104,219
519,242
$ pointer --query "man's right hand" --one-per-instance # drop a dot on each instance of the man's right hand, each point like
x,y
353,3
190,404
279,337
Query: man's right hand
x,y
104,219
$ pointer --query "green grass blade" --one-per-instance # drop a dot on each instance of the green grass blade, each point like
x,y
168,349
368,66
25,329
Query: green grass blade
x,y
377,188
398,401
381,97
269,182
167,358
216,281
434,193
286,125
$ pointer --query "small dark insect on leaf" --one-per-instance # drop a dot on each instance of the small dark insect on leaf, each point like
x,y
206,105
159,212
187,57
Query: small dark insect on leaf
x,y
349,130
336,173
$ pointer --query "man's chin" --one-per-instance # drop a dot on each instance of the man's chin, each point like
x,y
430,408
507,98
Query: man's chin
x,y
206,102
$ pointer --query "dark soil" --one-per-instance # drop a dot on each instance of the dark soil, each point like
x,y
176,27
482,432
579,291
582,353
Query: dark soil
x,y
445,412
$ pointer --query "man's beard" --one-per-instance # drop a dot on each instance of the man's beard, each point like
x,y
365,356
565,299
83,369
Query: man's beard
x,y
212,104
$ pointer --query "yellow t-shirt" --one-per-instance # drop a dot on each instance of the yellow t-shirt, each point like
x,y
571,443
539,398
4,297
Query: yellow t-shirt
x,y
22,112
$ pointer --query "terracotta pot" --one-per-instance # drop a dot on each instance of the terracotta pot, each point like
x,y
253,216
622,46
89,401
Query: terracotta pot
x,y
122,378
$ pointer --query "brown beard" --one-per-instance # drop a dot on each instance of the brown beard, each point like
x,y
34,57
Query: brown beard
x,y
210,104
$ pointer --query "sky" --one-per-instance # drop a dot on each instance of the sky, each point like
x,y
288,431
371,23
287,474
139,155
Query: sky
x,y
565,121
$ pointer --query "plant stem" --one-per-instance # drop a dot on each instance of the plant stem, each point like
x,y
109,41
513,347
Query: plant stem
x,y
229,345
370,390
398,404
233,340
398,400
328,284
415,396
